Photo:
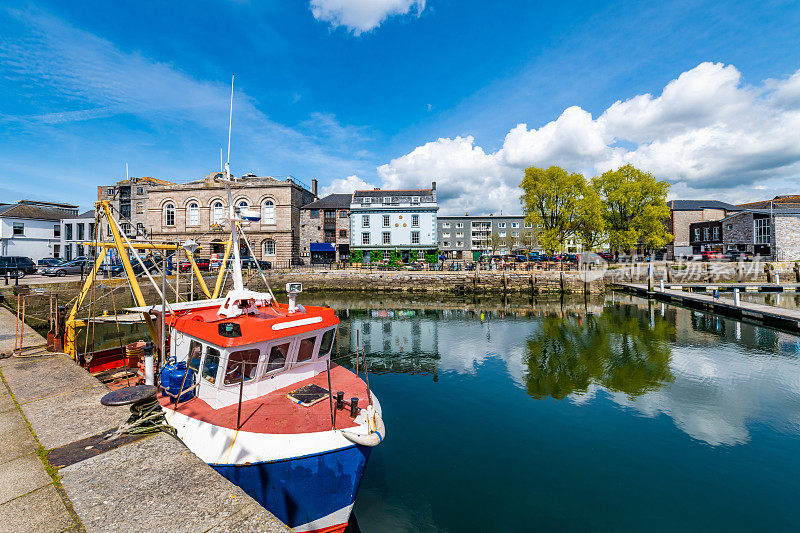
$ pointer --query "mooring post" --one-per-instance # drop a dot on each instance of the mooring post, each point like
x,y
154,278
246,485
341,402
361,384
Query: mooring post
x,y
650,276
736,297
739,270
662,285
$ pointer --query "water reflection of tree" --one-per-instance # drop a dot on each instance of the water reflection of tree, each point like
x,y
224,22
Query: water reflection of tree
x,y
622,349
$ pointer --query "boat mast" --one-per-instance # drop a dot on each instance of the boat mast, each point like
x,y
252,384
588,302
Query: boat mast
x,y
238,285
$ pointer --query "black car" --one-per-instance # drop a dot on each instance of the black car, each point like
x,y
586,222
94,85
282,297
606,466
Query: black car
x,y
250,263
17,266
736,255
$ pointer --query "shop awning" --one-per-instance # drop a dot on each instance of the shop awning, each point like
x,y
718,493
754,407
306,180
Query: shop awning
x,y
323,247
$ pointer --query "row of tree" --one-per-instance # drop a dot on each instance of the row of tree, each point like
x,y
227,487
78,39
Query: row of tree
x,y
623,209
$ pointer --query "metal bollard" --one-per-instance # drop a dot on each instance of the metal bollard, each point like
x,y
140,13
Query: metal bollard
x,y
736,297
354,406
149,374
340,400
777,279
661,283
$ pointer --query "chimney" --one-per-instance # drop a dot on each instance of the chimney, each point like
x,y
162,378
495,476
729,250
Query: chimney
x,y
433,185
314,187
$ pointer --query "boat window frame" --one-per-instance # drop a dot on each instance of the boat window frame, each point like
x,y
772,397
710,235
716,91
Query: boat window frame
x,y
320,357
265,373
259,365
222,356
314,349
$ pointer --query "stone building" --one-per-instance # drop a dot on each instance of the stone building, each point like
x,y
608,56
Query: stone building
x,y
400,221
128,199
325,229
683,213
706,236
196,210
770,233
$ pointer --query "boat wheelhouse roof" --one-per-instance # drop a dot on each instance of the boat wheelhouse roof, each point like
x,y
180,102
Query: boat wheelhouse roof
x,y
271,322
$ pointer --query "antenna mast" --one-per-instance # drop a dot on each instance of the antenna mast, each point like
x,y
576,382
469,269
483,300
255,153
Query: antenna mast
x,y
237,261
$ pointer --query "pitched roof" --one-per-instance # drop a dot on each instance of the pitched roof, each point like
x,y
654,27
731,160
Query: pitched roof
x,y
788,200
696,205
35,212
332,201
87,214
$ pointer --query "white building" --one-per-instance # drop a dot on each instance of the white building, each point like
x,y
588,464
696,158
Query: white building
x,y
73,232
400,221
32,229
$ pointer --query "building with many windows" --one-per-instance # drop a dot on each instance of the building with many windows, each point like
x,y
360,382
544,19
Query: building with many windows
x,y
128,200
469,237
325,229
684,213
197,210
32,229
770,233
400,221
74,232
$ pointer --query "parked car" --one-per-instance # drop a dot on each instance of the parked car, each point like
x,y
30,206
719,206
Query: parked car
x,y
534,256
608,256
203,264
114,269
49,261
70,267
17,266
736,255
520,259
709,255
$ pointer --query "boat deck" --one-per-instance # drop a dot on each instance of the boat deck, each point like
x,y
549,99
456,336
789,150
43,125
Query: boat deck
x,y
276,413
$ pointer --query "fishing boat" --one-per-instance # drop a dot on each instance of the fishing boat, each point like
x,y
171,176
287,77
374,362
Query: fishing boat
x,y
249,389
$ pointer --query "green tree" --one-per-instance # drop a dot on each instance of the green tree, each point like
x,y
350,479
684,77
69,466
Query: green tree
x,y
551,201
634,208
591,224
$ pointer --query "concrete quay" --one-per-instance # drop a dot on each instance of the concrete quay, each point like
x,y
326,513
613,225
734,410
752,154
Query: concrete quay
x,y
50,409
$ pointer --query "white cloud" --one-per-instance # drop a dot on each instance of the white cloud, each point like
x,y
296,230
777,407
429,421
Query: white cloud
x,y
708,133
360,16
344,185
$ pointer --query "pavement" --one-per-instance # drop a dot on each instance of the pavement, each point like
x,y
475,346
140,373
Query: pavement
x,y
50,405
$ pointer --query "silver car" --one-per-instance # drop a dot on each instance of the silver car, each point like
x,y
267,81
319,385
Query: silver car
x,y
70,267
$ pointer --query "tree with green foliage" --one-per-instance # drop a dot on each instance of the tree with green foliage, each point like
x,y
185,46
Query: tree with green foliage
x,y
634,208
551,201
591,226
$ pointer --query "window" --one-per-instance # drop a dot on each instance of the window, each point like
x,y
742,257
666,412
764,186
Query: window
x,y
211,365
314,213
445,224
459,244
705,234
81,229
243,204
501,224
515,224
241,364
140,230
217,213
459,225
697,234
343,214
515,234
415,199
56,251
715,232
528,225
195,354
269,247
502,233
387,237
761,229
277,357
386,221
445,244
139,208
446,234
18,229
169,215
140,190
414,221
459,234
110,191
366,200
343,233
387,254
108,231
387,199
327,343
364,221
414,237
306,349
365,239
193,214
68,231
57,230
268,216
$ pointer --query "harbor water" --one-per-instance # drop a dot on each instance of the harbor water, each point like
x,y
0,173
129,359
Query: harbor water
x,y
611,414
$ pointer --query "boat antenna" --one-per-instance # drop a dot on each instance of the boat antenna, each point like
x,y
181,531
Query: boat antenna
x,y
237,264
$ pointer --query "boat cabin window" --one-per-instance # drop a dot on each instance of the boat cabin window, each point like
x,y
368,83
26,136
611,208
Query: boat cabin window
x,y
327,343
242,362
277,356
195,355
306,349
211,365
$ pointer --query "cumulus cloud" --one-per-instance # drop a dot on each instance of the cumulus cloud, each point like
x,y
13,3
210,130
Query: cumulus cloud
x,y
360,16
344,185
708,133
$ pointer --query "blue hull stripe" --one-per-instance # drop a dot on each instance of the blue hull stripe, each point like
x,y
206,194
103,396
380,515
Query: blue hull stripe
x,y
302,489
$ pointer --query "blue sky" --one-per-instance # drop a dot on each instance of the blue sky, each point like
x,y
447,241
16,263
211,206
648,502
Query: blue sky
x,y
398,93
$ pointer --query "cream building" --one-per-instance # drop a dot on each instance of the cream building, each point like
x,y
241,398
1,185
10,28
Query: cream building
x,y
195,210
